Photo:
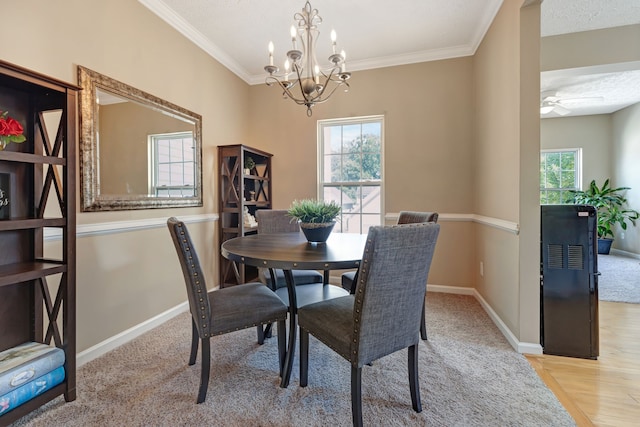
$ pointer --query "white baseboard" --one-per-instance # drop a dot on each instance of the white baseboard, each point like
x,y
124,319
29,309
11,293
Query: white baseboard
x,y
450,289
520,347
135,331
128,335
624,253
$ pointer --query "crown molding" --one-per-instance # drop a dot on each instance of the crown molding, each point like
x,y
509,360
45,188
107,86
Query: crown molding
x,y
183,27
396,60
165,13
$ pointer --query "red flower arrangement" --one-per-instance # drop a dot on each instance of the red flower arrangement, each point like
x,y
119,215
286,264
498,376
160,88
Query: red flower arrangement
x,y
10,130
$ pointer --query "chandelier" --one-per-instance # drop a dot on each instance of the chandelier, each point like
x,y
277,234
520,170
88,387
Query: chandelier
x,y
303,80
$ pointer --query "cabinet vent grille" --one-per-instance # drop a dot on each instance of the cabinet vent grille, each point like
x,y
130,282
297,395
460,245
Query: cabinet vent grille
x,y
576,260
554,256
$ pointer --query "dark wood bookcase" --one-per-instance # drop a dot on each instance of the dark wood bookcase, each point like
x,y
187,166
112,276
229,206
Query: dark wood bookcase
x,y
37,289
240,189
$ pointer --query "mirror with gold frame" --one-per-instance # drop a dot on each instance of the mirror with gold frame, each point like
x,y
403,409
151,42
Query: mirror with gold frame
x,y
137,151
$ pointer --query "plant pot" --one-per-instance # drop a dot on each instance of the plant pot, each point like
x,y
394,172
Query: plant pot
x,y
604,246
317,233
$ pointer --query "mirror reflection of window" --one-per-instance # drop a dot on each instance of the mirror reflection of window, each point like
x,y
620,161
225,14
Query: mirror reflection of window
x,y
172,159
122,153
120,169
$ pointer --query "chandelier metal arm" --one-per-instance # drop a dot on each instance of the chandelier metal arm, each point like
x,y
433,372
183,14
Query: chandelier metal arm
x,y
308,76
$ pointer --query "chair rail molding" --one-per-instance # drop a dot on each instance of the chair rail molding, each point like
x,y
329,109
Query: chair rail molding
x,y
501,224
113,227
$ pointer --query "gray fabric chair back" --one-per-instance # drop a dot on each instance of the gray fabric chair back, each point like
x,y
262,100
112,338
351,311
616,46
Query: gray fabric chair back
x,y
412,217
275,221
193,277
391,288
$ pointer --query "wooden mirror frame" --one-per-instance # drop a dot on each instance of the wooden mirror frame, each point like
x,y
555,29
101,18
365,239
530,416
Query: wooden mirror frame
x,y
91,198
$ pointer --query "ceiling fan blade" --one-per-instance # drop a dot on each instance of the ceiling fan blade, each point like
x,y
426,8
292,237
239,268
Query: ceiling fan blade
x,y
582,98
546,108
561,110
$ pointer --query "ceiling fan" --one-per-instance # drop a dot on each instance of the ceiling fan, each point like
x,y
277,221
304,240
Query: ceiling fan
x,y
551,102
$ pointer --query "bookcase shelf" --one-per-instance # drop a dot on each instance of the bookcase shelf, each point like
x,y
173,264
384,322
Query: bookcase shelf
x,y
25,271
236,190
37,294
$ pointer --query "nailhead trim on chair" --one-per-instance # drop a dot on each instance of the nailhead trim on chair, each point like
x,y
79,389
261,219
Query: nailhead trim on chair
x,y
194,275
202,308
358,304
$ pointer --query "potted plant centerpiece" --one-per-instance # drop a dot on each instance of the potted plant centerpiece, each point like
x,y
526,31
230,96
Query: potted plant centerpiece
x,y
612,209
316,218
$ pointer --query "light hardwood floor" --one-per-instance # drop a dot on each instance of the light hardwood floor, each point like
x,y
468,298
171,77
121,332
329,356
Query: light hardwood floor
x,y
603,392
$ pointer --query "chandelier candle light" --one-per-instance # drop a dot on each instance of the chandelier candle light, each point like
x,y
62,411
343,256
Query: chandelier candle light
x,y
301,70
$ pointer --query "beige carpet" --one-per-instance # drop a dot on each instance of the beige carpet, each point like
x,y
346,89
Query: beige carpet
x,y
469,376
619,279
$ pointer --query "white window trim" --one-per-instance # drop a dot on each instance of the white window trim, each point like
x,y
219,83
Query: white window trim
x,y
152,169
578,162
320,154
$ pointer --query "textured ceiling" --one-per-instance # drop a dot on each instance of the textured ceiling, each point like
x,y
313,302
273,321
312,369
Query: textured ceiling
x,y
381,33
572,16
591,90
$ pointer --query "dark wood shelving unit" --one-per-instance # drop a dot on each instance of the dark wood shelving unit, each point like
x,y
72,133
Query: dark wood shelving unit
x,y
37,293
236,188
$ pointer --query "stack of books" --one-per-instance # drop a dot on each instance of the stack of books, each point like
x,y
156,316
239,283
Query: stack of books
x,y
28,370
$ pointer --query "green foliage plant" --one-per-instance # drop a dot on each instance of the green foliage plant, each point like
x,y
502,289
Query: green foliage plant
x,y
249,163
310,211
611,206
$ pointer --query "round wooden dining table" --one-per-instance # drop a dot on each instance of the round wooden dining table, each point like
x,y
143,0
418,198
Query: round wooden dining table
x,y
291,251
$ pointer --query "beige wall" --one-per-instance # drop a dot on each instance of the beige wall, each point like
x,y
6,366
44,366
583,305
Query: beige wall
x,y
127,278
591,133
609,151
506,140
591,48
462,122
529,176
428,146
454,136
609,141
124,145
625,171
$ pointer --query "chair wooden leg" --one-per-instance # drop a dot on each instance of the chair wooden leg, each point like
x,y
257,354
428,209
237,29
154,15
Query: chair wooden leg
x,y
354,283
268,329
282,344
265,332
356,396
423,323
194,343
304,357
206,365
414,384
260,334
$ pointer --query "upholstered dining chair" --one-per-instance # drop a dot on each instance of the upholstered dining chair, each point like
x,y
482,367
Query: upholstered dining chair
x,y
277,221
405,217
382,316
224,310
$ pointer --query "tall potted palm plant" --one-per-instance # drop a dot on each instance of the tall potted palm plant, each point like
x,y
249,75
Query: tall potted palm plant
x,y
612,209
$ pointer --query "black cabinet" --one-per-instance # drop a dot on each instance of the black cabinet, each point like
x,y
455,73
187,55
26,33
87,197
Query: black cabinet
x,y
569,281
